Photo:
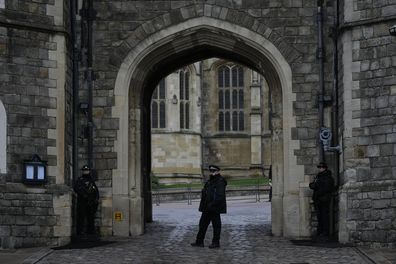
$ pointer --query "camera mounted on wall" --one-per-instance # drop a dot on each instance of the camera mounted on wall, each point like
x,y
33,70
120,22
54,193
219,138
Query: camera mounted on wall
x,y
325,136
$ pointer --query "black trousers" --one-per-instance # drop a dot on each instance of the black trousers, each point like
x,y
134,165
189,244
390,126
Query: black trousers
x,y
204,222
85,218
323,215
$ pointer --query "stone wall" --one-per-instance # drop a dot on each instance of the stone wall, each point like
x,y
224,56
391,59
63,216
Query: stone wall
x,y
35,90
176,155
31,216
369,105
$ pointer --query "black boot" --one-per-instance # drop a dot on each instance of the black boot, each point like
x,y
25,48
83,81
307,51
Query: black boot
x,y
214,245
197,244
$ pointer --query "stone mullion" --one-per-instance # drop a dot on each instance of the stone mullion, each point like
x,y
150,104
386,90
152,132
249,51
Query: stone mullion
x,y
255,123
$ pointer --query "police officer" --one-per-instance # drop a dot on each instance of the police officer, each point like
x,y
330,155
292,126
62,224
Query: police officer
x,y
213,203
87,202
322,186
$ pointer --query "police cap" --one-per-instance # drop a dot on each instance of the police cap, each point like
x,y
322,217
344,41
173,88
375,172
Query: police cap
x,y
322,165
85,168
213,168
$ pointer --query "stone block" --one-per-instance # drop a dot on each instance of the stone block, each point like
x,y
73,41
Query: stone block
x,y
25,220
5,231
373,151
388,213
374,195
6,219
45,220
386,149
365,225
375,235
379,139
386,194
363,174
40,197
379,204
355,214
391,138
18,230
380,162
36,211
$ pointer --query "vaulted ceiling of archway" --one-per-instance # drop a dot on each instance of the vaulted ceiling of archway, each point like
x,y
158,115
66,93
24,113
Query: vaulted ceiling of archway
x,y
194,45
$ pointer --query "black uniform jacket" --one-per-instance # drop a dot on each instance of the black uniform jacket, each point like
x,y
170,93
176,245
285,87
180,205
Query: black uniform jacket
x,y
213,197
322,186
87,191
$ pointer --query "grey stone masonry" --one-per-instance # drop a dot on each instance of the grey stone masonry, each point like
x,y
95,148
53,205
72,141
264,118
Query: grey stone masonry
x,y
31,216
370,153
35,91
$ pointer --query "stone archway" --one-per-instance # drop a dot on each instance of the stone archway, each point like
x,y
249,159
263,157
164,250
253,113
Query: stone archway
x,y
166,50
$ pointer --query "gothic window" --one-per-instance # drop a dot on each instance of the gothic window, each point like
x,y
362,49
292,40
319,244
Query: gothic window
x,y
184,88
3,139
231,107
158,108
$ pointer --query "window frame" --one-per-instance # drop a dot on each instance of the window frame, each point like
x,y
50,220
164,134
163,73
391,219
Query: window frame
x,y
158,100
231,86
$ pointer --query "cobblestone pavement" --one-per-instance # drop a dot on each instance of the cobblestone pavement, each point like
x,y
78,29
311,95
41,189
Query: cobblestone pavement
x,y
245,238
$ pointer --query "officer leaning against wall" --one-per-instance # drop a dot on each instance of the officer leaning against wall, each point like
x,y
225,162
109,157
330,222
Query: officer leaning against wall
x,y
322,186
87,202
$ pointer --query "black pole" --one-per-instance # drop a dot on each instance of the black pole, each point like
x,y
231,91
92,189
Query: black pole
x,y
335,92
90,18
88,15
320,56
75,88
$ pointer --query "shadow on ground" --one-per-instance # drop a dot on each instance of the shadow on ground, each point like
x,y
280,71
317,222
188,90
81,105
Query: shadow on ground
x,y
81,244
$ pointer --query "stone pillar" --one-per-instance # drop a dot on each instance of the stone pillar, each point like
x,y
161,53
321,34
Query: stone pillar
x,y
255,120
3,139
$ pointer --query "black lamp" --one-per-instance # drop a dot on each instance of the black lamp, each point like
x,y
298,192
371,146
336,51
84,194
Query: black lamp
x,y
392,30
35,170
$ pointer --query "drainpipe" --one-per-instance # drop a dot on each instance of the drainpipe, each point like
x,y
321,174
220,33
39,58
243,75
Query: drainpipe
x,y
335,93
88,15
90,18
320,57
75,88
202,120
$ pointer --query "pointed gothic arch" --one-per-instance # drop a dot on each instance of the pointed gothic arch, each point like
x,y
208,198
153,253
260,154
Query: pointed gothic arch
x,y
178,45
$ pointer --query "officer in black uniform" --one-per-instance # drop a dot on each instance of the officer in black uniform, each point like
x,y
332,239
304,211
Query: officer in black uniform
x,y
322,186
213,203
87,202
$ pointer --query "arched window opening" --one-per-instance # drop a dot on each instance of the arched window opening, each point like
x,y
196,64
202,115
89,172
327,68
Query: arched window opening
x,y
158,106
231,106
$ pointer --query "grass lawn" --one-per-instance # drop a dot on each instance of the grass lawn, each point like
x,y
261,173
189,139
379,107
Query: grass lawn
x,y
230,182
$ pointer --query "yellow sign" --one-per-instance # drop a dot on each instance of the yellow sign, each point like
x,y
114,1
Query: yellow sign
x,y
118,216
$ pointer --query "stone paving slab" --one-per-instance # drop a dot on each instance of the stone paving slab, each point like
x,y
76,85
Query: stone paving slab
x,y
245,239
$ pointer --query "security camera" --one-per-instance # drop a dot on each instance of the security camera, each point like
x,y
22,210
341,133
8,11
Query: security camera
x,y
325,136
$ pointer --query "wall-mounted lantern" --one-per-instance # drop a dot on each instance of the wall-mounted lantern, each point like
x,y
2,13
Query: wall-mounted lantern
x,y
392,30
35,170
174,99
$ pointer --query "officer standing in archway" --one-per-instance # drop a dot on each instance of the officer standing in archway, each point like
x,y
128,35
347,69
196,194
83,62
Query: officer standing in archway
x,y
213,203
87,202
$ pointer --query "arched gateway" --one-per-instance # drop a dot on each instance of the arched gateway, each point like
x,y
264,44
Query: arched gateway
x,y
144,59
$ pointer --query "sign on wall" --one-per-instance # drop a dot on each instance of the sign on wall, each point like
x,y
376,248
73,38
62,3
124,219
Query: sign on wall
x,y
118,216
